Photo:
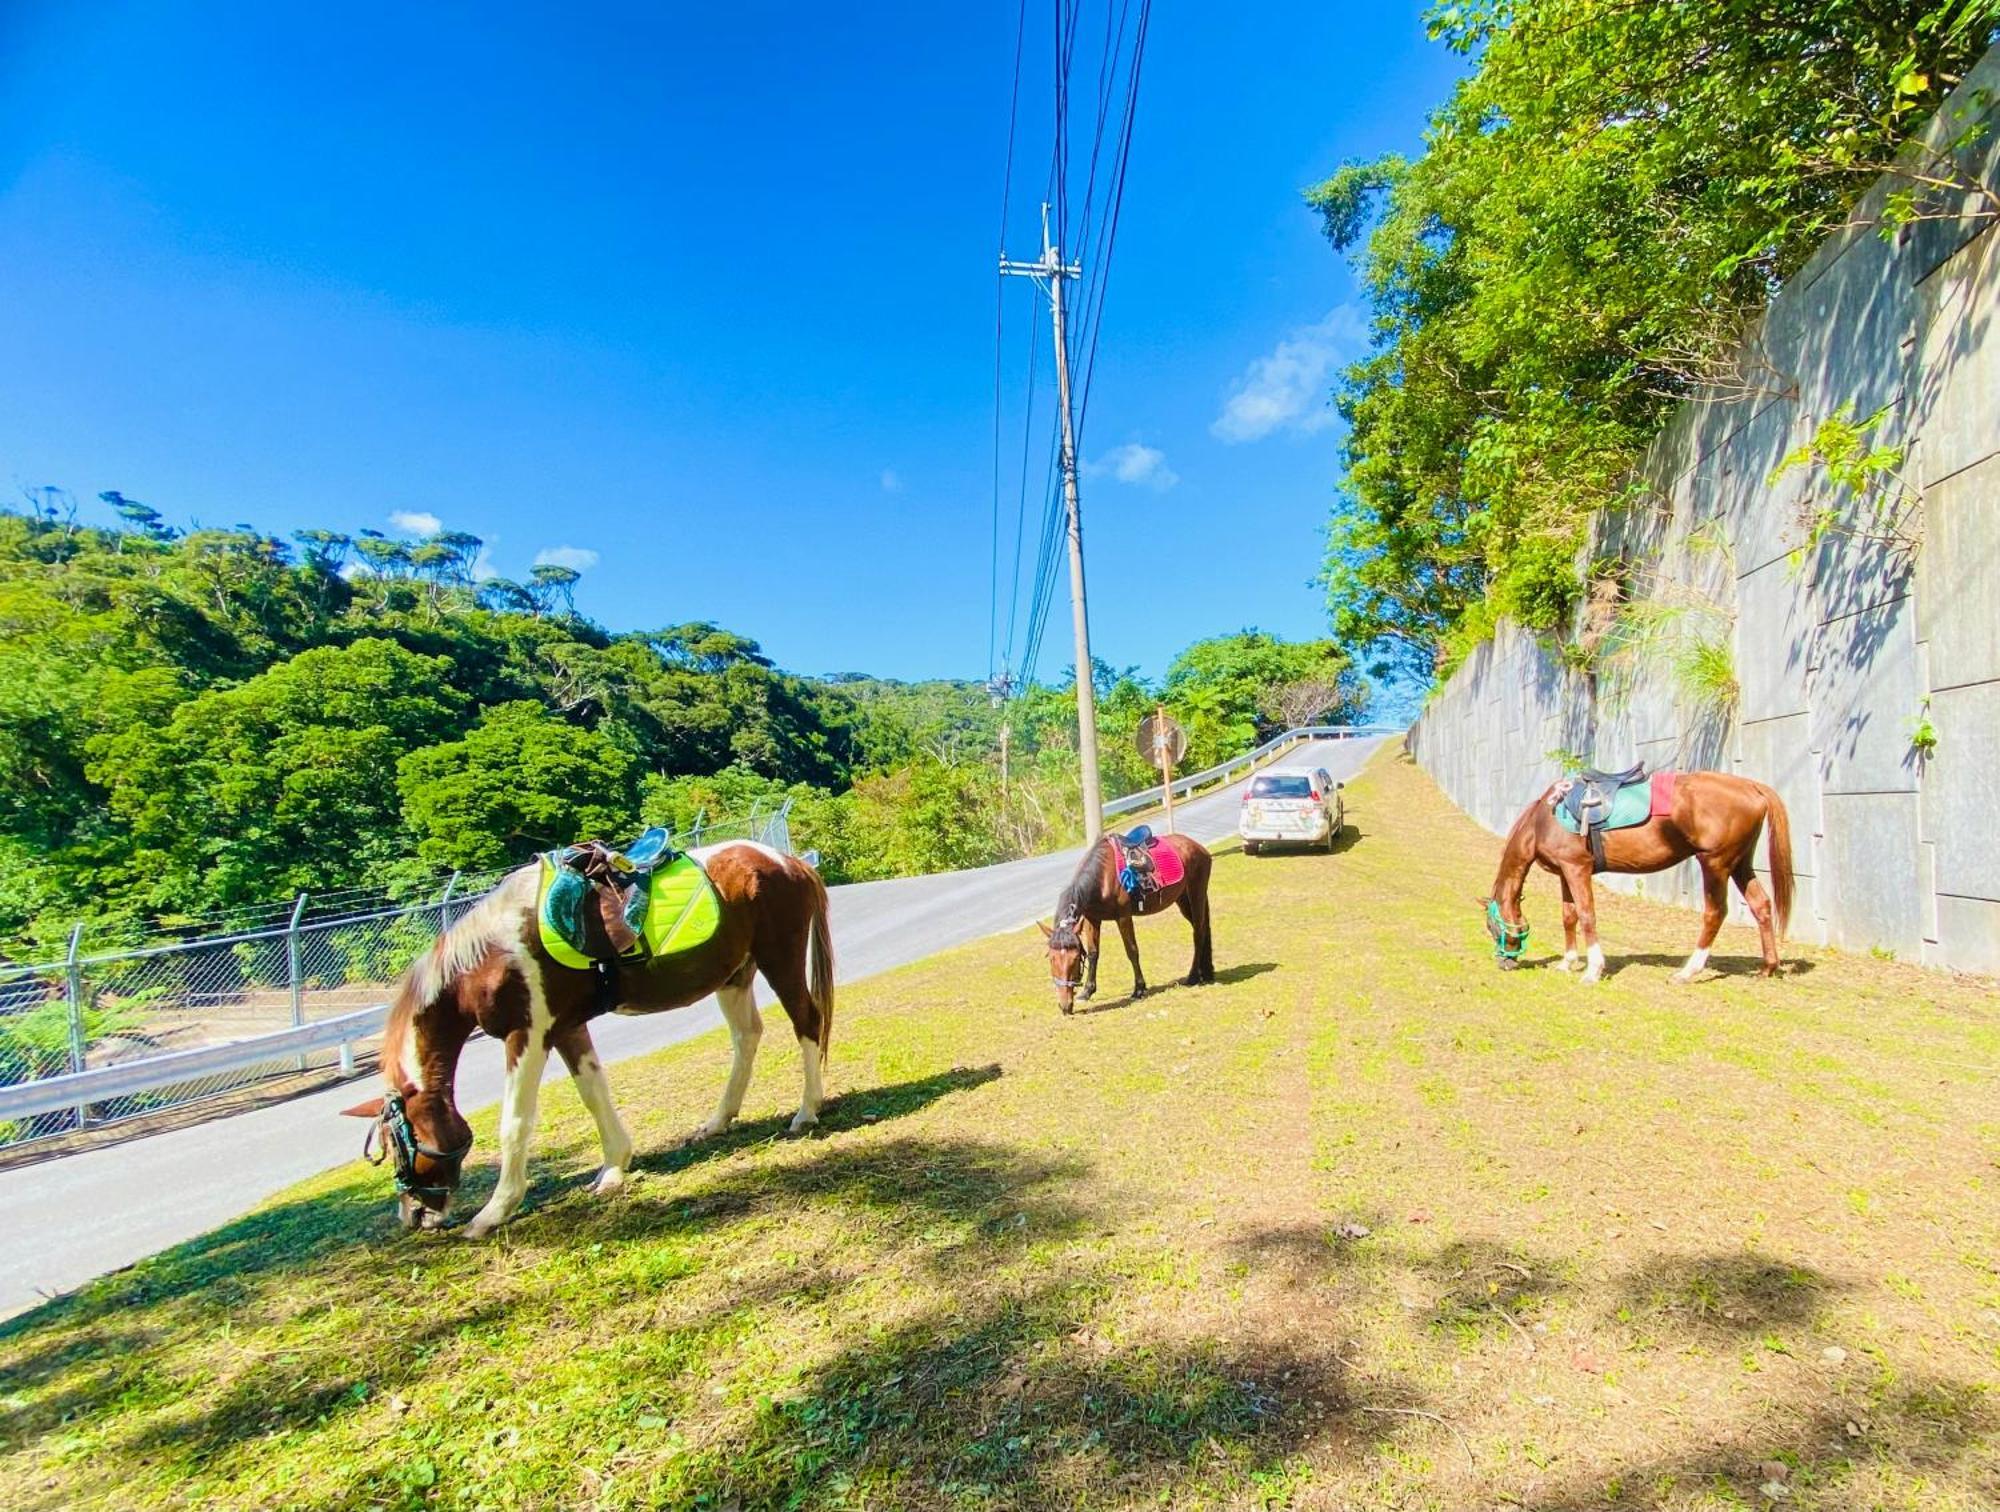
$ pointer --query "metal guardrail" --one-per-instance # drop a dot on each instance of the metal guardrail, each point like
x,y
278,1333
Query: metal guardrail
x,y
256,1002
77,1089
1183,786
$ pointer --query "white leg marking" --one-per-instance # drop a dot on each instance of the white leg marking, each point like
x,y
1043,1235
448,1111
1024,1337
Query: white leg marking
x,y
517,1123
815,1092
1596,967
1568,962
1693,968
746,1027
594,1087
517,1112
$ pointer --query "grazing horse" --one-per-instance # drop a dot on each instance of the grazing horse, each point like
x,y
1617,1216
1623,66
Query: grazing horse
x,y
1096,893
491,971
1715,818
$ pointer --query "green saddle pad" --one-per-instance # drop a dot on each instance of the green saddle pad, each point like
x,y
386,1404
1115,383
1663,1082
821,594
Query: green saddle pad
x,y
1633,805
672,909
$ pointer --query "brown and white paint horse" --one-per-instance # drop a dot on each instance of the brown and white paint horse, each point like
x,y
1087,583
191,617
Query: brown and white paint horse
x,y
1095,894
1716,818
490,971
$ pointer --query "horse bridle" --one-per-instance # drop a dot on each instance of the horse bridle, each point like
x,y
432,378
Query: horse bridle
x,y
1057,982
1510,941
400,1140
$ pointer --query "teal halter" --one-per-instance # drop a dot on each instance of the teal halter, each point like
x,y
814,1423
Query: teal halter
x,y
399,1139
1510,941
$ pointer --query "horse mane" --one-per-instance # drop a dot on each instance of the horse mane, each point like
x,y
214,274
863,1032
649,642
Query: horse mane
x,y
1519,846
494,922
1070,902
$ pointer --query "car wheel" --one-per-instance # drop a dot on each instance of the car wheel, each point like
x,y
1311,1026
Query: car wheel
x,y
1253,847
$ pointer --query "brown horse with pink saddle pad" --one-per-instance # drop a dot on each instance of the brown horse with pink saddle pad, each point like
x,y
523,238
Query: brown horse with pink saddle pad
x,y
1121,878
1630,822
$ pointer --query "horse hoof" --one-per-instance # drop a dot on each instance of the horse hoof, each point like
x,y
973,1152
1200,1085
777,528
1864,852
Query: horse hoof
x,y
802,1122
1591,978
610,1181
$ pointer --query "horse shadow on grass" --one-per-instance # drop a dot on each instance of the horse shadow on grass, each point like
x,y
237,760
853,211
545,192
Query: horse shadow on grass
x,y
1721,966
838,1114
1229,975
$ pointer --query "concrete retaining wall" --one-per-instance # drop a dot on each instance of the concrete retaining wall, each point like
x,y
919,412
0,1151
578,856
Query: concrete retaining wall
x,y
1836,651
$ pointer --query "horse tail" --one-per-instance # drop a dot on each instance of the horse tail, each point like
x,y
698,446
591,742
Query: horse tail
x,y
819,963
1780,855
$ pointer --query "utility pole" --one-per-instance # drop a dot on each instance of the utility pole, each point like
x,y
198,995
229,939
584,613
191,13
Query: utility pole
x,y
1050,273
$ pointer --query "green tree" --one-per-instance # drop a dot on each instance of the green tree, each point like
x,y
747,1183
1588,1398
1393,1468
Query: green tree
x,y
552,584
1226,690
284,783
520,781
1602,207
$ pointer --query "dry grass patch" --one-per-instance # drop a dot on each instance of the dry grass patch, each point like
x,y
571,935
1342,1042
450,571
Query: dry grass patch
x,y
1367,1224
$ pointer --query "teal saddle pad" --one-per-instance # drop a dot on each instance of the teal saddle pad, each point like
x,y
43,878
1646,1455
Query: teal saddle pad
x,y
1633,805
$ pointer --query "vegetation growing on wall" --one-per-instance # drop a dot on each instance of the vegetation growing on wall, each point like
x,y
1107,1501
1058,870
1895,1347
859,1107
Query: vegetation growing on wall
x,y
1857,491
1599,210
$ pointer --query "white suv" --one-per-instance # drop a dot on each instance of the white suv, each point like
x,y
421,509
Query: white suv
x,y
1291,804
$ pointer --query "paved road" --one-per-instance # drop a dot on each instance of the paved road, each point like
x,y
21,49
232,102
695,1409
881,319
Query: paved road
x,y
65,1221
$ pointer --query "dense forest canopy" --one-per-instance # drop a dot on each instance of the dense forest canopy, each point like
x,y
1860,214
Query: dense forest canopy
x,y
198,721
1599,211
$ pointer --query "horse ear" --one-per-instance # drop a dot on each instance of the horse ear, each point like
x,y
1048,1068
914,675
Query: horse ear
x,y
1047,932
1481,902
370,1109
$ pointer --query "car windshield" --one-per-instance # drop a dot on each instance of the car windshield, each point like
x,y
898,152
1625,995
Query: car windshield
x,y
1281,787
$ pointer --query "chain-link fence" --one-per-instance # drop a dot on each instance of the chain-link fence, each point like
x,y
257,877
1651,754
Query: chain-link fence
x,y
309,988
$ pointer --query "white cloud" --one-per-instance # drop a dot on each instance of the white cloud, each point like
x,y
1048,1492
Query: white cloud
x,y
892,481
576,558
1143,466
416,522
483,569
1287,388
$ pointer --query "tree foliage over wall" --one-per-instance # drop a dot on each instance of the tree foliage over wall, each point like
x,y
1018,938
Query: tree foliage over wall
x,y
1600,209
193,722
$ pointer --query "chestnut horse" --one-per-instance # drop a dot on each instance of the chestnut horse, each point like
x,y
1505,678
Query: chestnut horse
x,y
1095,894
1715,819
490,971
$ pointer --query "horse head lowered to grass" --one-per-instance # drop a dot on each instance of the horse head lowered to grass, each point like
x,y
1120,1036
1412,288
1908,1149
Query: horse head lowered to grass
x,y
1627,822
500,969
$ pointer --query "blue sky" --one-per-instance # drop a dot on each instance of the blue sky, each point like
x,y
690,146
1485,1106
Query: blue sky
x,y
702,296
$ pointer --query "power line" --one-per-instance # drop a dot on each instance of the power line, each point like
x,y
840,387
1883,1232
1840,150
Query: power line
x,y
999,349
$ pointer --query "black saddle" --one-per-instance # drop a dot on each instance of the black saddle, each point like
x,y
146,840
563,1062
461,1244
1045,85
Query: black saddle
x,y
1589,799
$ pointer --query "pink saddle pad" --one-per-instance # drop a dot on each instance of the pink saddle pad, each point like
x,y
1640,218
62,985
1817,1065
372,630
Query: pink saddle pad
x,y
1167,864
1663,794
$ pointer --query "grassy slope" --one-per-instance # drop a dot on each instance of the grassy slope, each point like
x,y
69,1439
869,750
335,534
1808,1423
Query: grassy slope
x,y
1613,1237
